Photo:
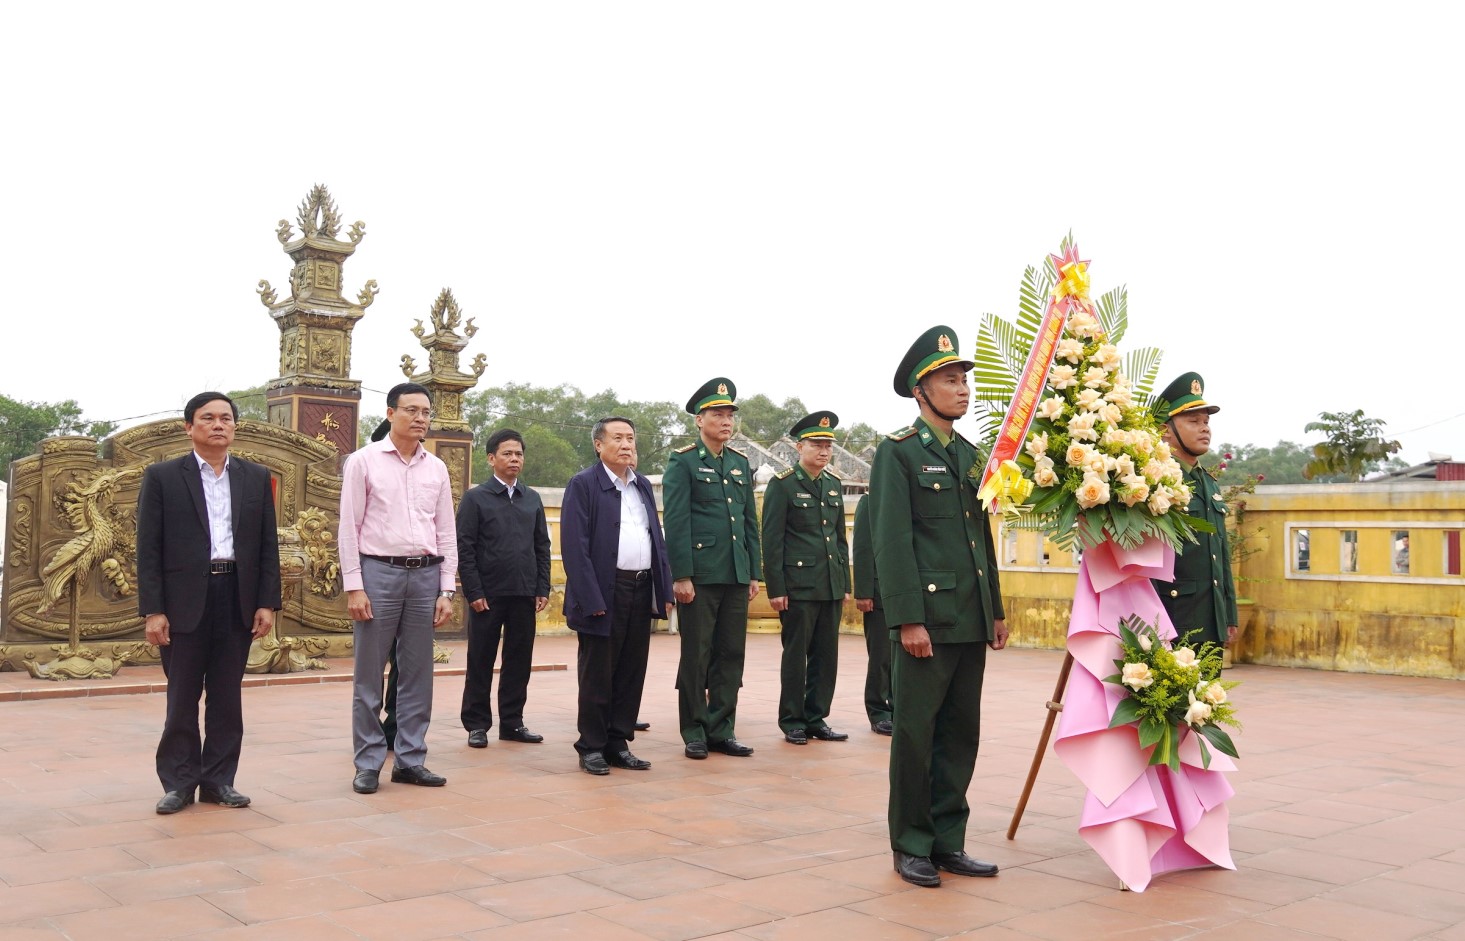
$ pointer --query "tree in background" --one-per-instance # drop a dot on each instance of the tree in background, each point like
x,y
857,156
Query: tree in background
x,y
765,421
1281,463
251,403
1355,446
23,425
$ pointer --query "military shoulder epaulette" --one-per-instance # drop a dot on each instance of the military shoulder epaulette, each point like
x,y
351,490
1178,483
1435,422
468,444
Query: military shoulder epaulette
x,y
833,473
902,434
734,450
786,472
684,450
967,440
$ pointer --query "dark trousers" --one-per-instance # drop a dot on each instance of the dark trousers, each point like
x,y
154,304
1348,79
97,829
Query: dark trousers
x,y
613,671
513,618
714,633
877,667
208,659
938,718
389,699
810,633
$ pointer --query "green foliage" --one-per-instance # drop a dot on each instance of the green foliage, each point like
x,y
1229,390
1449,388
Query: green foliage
x,y
365,425
764,421
1355,446
23,425
1282,463
251,403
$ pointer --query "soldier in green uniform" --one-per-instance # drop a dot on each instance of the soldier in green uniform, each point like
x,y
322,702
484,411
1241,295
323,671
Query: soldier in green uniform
x,y
877,635
1202,597
939,588
711,522
806,568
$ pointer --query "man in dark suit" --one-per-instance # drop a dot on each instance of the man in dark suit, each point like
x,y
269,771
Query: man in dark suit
x,y
503,562
616,580
208,581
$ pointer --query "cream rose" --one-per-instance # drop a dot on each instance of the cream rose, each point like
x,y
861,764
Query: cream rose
x,y
1095,378
1107,356
1162,450
1037,444
1045,476
1214,693
1051,407
1184,657
1135,490
1137,676
1093,491
1090,400
1159,503
1124,465
1110,413
1070,349
1145,643
1084,326
1198,712
1077,454
1097,463
1081,427
1062,377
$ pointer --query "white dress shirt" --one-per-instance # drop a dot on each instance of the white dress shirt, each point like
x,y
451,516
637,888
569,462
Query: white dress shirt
x,y
218,497
633,554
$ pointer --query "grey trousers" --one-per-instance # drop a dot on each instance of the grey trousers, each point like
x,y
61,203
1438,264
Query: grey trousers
x,y
402,602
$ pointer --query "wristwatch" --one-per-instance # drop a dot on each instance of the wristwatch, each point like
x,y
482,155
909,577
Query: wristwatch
x,y
446,594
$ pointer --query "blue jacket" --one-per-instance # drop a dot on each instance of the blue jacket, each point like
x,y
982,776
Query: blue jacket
x,y
590,533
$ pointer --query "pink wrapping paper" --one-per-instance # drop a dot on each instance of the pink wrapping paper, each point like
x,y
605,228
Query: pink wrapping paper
x,y
1142,820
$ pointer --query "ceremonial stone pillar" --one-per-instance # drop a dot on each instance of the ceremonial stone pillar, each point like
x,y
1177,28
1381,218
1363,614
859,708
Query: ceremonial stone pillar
x,y
449,436
315,394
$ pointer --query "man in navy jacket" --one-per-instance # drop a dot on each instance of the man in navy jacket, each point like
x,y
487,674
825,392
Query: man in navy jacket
x,y
616,580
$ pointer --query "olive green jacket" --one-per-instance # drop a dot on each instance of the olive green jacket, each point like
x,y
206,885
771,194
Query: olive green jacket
x,y
805,550
933,547
710,516
1203,595
866,585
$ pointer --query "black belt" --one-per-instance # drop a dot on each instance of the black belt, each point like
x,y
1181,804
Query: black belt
x,y
225,567
625,576
407,561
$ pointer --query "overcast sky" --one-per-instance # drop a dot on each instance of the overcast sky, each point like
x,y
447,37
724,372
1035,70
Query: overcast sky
x,y
643,196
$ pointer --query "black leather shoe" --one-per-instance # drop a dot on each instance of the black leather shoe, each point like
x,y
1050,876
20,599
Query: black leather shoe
x,y
643,726
917,870
883,727
963,865
825,734
366,782
223,794
796,737
593,762
732,747
174,801
417,774
520,734
478,738
624,759
697,750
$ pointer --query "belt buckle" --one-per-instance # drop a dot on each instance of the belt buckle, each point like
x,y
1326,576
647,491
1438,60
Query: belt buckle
x,y
412,562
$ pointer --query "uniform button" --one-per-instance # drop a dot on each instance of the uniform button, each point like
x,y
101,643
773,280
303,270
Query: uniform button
x,y
979,571
825,522
1214,582
1174,593
729,499
799,564
935,486
1213,557
931,587
735,539
733,518
826,538
724,481
974,544
968,514
699,545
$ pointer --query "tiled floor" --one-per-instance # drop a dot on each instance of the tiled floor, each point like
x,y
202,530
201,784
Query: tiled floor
x,y
1349,823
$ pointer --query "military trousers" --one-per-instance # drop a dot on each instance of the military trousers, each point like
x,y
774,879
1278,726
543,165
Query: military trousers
x,y
714,635
877,666
810,633
937,701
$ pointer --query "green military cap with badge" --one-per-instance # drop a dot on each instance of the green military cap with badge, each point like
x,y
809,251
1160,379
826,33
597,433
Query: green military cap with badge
x,y
814,426
715,393
935,348
1186,394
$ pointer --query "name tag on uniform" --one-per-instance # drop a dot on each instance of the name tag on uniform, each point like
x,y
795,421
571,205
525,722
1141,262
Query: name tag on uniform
x,y
934,469
706,470
803,496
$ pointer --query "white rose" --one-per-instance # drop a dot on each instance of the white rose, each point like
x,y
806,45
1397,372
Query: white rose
x,y
1142,442
1090,400
1214,693
1037,444
1084,326
1051,407
1124,465
1145,643
1095,378
1062,377
1154,470
1110,413
1135,490
1180,493
1184,657
1162,450
1045,476
1159,503
1077,454
1198,712
1107,356
1097,463
1081,427
1093,491
1137,676
1070,349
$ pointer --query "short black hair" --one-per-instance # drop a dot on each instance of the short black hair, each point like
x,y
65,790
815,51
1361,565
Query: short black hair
x,y
598,432
496,440
406,388
204,398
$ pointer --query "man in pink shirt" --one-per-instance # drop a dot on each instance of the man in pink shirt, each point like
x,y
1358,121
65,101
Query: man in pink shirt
x,y
399,554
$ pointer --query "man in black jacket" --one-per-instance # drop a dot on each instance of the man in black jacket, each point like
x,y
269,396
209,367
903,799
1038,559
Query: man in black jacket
x,y
503,561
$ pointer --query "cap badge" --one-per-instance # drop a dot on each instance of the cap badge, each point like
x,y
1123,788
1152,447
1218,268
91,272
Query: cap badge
x,y
722,388
1195,388
943,344
824,422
